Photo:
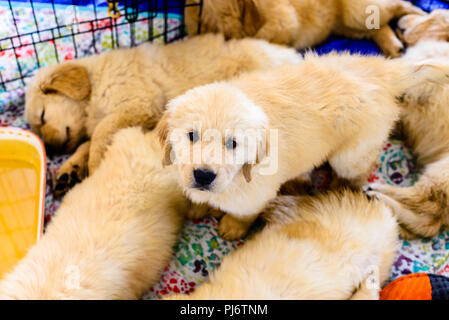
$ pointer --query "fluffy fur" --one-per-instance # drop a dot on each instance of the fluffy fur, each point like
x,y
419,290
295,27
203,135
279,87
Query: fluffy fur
x,y
336,108
300,23
325,247
433,26
113,234
423,209
91,98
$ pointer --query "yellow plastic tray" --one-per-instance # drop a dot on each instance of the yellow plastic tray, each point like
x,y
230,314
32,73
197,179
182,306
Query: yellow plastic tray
x,y
22,194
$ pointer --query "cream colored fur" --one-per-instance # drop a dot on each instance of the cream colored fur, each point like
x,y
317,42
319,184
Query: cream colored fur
x,y
301,23
332,108
433,26
423,209
91,98
113,234
324,247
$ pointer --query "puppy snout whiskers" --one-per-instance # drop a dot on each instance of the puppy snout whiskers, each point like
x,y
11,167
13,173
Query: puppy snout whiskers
x,y
204,177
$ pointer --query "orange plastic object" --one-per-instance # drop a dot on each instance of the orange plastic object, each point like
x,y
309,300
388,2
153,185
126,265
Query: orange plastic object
x,y
22,194
415,286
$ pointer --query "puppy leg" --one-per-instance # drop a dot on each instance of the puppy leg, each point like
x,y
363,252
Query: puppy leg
x,y
216,213
353,166
356,14
232,228
366,292
385,38
421,209
197,211
398,210
133,116
388,42
74,170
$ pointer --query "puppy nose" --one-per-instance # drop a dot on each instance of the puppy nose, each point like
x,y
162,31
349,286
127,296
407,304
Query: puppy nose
x,y
204,177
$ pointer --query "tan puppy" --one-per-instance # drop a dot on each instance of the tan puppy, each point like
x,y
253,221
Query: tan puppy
x,y
94,97
415,28
284,122
301,23
113,234
423,209
335,246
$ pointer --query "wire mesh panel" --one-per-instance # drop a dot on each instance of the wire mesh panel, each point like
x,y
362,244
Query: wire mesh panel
x,y
37,33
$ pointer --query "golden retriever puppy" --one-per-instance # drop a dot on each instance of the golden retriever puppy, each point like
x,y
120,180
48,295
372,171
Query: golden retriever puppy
x,y
235,143
334,246
113,234
301,23
433,26
423,209
91,98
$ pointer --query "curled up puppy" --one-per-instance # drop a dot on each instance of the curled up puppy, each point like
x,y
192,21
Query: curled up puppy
x,y
301,23
80,104
423,209
235,143
113,235
334,246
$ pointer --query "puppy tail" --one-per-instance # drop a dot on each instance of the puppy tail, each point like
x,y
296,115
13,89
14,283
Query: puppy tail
x,y
413,75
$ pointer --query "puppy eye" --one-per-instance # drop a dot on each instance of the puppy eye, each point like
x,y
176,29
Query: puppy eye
x,y
193,136
231,144
43,117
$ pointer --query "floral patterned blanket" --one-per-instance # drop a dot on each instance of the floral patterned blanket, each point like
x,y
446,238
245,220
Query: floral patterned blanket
x,y
200,250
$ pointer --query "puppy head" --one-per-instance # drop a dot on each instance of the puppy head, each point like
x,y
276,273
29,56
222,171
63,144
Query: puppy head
x,y
434,26
55,105
214,134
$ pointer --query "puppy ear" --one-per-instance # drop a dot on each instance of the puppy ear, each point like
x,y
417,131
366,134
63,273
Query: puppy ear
x,y
252,20
263,148
246,170
68,79
162,132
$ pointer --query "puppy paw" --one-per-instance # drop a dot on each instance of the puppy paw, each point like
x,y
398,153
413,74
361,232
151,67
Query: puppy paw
x,y
216,213
232,229
394,49
373,187
68,176
197,211
95,156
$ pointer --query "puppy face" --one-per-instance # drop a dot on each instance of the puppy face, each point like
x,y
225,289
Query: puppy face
x,y
214,134
55,105
434,26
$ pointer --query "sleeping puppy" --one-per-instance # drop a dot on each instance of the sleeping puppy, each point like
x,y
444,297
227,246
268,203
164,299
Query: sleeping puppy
x,y
301,23
324,247
423,209
416,28
91,98
234,143
113,235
